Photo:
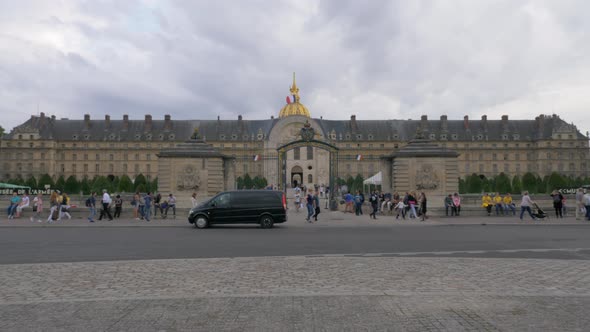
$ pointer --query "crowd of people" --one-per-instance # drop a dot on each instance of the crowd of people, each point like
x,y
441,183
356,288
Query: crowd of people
x,y
59,206
410,204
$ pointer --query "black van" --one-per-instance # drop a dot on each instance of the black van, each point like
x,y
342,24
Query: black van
x,y
264,207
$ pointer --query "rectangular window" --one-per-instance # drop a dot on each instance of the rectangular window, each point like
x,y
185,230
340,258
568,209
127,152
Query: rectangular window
x,y
245,167
149,168
148,156
505,156
63,168
137,156
516,156
296,154
481,169
309,153
85,168
111,168
74,157
125,168
85,157
494,156
111,157
97,168
97,157
125,157
136,168
74,168
506,168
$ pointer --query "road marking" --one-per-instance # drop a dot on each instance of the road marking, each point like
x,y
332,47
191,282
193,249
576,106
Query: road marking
x,y
455,252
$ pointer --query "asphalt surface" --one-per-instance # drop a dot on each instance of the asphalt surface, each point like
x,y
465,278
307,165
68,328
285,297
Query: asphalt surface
x,y
79,244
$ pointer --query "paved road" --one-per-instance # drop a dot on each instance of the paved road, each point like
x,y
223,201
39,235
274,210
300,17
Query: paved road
x,y
71,244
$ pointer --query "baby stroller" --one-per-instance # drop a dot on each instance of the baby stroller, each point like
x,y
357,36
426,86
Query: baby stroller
x,y
538,212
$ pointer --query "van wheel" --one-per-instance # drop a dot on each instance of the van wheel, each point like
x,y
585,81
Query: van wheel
x,y
201,222
266,222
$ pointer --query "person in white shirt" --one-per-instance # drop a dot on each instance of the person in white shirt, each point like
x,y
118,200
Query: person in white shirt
x,y
525,205
24,203
106,203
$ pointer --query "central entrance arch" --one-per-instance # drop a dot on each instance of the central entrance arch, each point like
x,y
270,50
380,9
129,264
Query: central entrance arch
x,y
297,172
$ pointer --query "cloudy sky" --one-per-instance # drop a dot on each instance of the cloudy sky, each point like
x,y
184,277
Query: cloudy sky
x,y
376,59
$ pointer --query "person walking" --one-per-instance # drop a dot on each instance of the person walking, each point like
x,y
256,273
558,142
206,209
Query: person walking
x,y
171,204
37,207
91,204
525,205
412,204
316,206
349,201
422,200
14,202
579,203
557,203
358,203
54,206
297,200
118,206
65,206
140,206
586,201
309,203
456,204
106,206
147,199
158,206
374,200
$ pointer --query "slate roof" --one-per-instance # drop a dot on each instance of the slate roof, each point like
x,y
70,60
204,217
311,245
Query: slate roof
x,y
247,130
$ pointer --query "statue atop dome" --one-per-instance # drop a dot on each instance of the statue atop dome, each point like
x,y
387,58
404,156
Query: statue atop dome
x,y
294,106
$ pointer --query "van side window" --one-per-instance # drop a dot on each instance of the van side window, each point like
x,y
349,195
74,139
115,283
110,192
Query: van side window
x,y
221,201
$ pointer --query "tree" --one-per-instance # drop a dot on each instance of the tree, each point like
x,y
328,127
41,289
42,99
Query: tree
x,y
140,181
248,183
260,182
1,131
503,184
154,184
486,185
358,183
72,185
474,184
516,184
44,180
100,183
542,184
60,183
240,183
125,184
556,181
85,186
31,182
529,182
463,185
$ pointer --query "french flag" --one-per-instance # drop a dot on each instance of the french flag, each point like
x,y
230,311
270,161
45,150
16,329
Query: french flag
x,y
359,157
291,99
256,157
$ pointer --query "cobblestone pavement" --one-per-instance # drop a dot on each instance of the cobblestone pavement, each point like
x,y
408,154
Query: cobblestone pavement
x,y
298,294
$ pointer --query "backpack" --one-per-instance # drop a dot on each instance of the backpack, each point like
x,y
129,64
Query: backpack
x,y
88,202
557,198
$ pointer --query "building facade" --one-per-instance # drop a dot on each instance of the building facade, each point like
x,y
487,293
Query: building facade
x,y
92,147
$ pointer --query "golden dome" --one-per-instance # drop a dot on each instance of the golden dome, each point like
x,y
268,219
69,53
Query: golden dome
x,y
295,107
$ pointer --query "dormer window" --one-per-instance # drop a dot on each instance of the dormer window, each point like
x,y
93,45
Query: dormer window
x,y
222,137
234,137
505,137
148,137
443,137
455,136
370,137
347,136
74,137
245,137
171,136
432,136
395,136
113,136
137,137
86,137
161,137
259,137
480,137
516,136
359,136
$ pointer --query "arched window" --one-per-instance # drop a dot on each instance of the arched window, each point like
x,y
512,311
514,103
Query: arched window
x,y
309,178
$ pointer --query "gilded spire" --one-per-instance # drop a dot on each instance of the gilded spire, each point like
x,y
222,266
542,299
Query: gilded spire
x,y
294,89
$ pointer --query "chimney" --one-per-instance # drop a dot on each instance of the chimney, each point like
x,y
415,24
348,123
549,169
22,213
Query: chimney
x,y
540,125
125,122
86,121
53,117
107,121
424,122
42,120
353,125
443,123
504,120
148,123
240,117
484,122
466,122
167,122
